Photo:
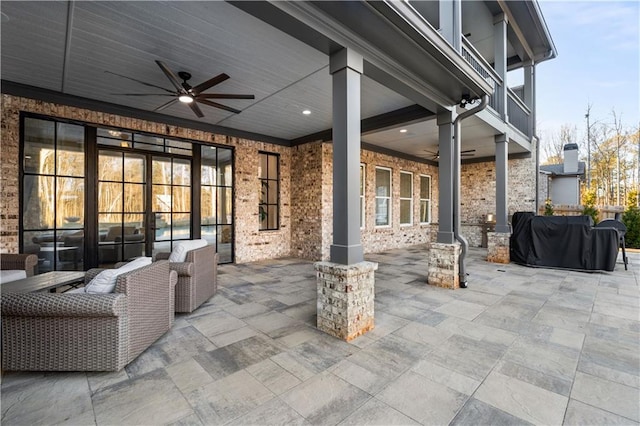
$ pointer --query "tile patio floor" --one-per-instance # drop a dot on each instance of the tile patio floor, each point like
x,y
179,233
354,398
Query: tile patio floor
x,y
520,345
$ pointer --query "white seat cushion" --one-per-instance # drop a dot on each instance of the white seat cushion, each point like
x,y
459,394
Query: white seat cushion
x,y
105,281
179,253
8,275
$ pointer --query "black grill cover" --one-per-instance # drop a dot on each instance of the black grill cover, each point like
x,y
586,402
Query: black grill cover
x,y
562,242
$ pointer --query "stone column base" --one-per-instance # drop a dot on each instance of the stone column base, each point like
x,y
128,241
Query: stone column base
x,y
498,247
345,298
444,265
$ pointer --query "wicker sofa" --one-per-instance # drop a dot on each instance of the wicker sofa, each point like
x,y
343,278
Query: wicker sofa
x,y
88,332
10,263
197,277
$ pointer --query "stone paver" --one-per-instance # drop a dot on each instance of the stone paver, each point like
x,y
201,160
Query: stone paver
x,y
519,346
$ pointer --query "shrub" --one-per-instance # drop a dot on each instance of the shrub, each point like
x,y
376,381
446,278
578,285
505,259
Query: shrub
x,y
631,218
548,208
591,211
589,204
632,198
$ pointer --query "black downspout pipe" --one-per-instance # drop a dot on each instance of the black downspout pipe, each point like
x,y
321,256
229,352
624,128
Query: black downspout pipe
x,y
464,244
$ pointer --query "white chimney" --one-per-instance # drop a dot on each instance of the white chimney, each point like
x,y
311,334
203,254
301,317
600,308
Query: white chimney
x,y
571,158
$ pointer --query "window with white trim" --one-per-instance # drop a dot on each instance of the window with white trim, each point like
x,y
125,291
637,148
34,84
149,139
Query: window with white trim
x,y
406,198
425,199
383,196
362,176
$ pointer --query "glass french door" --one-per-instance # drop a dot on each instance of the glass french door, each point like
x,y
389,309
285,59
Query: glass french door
x,y
96,196
122,187
170,201
144,204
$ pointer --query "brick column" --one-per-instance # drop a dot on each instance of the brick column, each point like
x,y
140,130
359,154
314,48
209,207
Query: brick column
x,y
444,265
498,247
345,298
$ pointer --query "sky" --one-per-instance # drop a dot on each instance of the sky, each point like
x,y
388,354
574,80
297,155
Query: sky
x,y
598,63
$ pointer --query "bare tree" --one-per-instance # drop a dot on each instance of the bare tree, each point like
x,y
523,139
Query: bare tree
x,y
553,147
590,125
620,142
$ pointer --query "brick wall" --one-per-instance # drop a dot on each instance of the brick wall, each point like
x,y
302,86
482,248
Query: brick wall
x,y
250,244
376,239
478,193
9,200
312,202
306,201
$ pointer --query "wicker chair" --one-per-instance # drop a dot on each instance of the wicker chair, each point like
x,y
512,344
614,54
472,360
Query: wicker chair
x,y
197,277
88,332
23,262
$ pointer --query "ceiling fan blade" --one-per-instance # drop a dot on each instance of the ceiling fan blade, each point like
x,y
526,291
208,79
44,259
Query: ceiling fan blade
x,y
217,105
143,94
209,83
140,81
168,104
171,76
223,96
196,109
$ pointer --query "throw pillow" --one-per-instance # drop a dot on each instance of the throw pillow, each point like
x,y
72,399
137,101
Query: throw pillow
x,y
105,281
179,253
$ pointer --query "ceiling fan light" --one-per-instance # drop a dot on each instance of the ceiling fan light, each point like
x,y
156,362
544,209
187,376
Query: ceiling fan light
x,y
185,99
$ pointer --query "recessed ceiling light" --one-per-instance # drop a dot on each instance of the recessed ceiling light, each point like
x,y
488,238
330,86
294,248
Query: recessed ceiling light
x,y
306,112
403,130
185,98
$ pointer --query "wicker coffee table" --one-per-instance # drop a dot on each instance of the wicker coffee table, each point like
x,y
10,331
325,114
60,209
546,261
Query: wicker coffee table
x,y
44,282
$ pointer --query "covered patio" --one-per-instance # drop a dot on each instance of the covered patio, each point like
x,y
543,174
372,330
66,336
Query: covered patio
x,y
520,345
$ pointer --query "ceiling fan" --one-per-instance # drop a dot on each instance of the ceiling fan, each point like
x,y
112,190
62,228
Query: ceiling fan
x,y
465,153
187,94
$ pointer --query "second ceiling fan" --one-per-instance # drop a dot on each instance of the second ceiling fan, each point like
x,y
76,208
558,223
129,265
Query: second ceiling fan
x,y
465,153
187,94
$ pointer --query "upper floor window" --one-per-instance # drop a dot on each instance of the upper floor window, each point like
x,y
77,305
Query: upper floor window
x,y
383,196
362,183
406,198
425,199
269,207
